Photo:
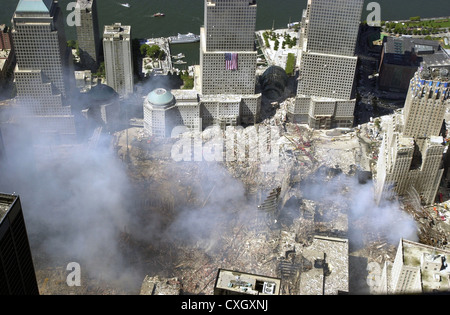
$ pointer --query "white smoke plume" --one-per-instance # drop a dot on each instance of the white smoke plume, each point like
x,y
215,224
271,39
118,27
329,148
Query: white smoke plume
x,y
386,219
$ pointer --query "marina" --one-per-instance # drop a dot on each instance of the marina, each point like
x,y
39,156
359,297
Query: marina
x,y
184,38
179,56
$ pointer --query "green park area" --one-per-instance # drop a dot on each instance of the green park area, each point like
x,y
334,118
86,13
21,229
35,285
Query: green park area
x,y
430,28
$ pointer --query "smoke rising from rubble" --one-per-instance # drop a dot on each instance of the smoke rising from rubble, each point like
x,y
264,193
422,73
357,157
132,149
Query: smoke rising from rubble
x,y
78,201
216,198
365,216
74,201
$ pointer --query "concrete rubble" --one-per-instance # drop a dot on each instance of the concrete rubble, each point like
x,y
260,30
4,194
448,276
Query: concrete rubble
x,y
158,286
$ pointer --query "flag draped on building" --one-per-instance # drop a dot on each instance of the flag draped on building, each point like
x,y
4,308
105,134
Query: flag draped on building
x,y
231,61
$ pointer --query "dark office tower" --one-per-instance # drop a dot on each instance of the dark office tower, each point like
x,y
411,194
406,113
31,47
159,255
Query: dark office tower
x,y
88,34
2,147
17,274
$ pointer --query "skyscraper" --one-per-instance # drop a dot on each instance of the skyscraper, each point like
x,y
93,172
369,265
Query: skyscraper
x,y
88,34
2,146
229,32
117,52
224,91
44,72
328,35
228,62
417,269
17,273
411,154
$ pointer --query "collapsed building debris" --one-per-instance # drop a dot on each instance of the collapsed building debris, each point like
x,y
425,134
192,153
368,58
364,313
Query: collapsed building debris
x,y
300,238
157,286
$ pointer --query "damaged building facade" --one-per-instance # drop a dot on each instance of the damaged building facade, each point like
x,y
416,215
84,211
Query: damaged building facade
x,y
224,91
411,154
327,63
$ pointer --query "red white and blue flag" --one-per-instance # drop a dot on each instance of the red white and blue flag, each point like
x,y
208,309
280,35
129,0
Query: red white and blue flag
x,y
231,61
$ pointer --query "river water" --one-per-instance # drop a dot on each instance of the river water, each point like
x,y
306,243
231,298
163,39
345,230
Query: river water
x,y
183,16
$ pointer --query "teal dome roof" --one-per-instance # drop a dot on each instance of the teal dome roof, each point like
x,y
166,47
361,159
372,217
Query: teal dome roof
x,y
160,97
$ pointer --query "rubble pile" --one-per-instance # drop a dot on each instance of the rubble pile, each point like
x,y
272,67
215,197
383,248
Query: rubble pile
x,y
157,286
432,229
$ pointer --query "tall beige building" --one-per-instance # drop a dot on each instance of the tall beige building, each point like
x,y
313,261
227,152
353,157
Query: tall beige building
x,y
410,158
224,91
417,269
88,33
117,51
327,63
44,72
228,59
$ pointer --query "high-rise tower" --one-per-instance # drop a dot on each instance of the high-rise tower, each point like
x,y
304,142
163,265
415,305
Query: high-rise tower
x,y
411,154
88,34
328,36
44,72
17,273
224,91
117,52
227,47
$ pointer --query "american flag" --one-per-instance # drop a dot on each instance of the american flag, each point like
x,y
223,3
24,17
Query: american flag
x,y
231,61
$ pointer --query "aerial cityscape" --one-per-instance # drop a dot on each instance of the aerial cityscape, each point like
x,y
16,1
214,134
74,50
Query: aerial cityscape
x,y
235,158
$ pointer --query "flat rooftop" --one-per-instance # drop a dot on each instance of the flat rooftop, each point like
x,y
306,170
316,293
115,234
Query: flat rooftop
x,y
34,6
6,202
84,4
246,283
335,252
117,28
413,256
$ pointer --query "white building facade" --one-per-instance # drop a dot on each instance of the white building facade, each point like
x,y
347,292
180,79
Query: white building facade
x,y
411,154
417,269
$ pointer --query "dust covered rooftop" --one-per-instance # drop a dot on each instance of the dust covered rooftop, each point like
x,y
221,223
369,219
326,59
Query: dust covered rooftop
x,y
6,201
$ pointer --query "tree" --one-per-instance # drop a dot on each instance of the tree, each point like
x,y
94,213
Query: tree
x,y
188,81
161,55
144,48
72,44
153,51
277,44
101,70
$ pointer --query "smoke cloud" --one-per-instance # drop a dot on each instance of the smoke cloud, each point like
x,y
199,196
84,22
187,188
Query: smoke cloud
x,y
74,201
386,220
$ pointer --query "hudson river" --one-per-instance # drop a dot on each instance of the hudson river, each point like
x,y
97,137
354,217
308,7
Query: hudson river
x,y
183,16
